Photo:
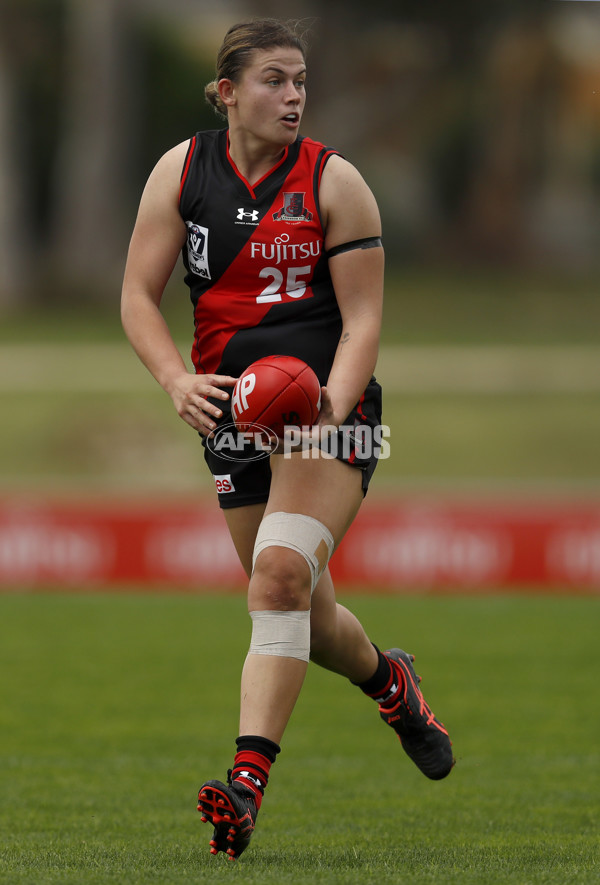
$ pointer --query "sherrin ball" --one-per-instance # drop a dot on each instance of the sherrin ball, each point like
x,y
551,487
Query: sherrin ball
x,y
275,392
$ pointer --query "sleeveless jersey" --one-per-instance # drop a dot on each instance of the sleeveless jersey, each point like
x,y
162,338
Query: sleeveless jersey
x,y
256,266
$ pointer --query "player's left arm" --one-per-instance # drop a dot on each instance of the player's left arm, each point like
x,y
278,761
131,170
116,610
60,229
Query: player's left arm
x,y
352,221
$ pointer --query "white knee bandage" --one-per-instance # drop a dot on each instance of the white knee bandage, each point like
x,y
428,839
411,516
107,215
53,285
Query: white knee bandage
x,y
307,536
286,634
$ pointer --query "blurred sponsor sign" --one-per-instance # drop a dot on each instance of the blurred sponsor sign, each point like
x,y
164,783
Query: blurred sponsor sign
x,y
476,546
409,546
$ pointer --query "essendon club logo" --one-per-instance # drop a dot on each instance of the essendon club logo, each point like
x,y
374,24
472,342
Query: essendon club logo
x,y
293,209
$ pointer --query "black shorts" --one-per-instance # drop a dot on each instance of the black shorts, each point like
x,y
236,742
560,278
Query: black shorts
x,y
241,468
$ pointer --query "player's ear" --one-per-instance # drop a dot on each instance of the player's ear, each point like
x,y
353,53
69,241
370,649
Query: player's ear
x,y
226,89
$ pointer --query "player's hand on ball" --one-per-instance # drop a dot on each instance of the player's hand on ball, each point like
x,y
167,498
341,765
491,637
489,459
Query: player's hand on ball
x,y
319,432
190,397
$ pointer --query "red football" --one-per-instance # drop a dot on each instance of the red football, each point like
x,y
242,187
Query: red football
x,y
274,392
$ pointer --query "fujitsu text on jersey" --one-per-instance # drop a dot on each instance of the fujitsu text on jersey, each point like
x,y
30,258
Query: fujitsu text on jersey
x,y
281,250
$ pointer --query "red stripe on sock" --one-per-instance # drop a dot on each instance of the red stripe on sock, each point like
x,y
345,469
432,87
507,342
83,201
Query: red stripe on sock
x,y
257,766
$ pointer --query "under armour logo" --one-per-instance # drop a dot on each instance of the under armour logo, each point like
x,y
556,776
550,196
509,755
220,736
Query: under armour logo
x,y
252,215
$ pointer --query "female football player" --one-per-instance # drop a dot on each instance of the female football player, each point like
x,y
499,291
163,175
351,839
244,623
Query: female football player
x,y
281,242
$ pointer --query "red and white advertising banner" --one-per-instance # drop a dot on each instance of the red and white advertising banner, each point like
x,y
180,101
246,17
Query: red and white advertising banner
x,y
412,545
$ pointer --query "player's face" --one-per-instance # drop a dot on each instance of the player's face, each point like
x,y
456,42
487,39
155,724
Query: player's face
x,y
270,95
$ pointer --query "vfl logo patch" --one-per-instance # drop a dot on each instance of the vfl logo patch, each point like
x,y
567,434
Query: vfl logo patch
x,y
293,209
197,249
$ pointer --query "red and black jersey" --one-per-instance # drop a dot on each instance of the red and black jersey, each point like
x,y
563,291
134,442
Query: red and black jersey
x,y
255,260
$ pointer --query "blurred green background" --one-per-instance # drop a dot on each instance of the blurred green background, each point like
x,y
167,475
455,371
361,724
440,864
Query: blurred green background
x,y
477,127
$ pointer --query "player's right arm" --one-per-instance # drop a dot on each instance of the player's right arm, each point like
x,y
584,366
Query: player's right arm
x,y
158,237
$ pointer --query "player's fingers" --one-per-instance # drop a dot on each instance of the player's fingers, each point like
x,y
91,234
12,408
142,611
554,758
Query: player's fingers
x,y
212,385
199,420
207,415
216,392
199,413
222,380
199,406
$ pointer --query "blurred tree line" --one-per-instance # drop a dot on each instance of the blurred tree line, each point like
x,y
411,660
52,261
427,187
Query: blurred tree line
x,y
475,123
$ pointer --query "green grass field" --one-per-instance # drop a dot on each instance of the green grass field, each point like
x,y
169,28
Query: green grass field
x,y
114,708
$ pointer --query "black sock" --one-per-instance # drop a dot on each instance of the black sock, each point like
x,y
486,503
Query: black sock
x,y
383,685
